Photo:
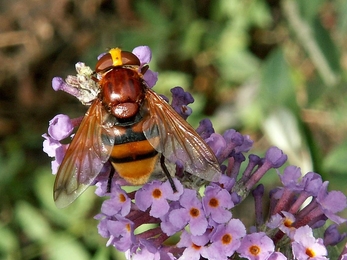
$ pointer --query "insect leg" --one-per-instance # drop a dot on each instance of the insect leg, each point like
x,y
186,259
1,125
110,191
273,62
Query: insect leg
x,y
109,181
166,171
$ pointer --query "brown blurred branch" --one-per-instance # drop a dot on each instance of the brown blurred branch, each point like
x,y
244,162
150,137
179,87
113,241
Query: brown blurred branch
x,y
16,38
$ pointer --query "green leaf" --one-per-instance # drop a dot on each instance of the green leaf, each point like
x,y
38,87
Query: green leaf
x,y
193,38
8,242
169,79
341,9
63,246
309,9
101,254
335,160
276,87
71,216
237,65
12,159
32,221
327,46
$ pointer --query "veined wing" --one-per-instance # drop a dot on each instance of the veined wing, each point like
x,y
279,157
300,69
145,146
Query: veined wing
x,y
85,156
178,140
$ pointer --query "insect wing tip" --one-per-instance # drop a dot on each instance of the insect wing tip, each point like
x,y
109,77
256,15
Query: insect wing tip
x,y
63,198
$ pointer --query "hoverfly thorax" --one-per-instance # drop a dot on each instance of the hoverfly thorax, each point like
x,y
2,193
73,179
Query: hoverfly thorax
x,y
121,83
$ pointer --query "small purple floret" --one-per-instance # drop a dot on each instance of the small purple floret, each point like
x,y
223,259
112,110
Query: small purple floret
x,y
205,129
276,157
180,101
60,127
144,54
332,235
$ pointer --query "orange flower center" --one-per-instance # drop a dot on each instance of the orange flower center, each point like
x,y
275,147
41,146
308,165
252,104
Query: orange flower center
x,y
194,212
310,252
127,227
287,222
226,239
196,247
254,250
213,203
122,198
156,193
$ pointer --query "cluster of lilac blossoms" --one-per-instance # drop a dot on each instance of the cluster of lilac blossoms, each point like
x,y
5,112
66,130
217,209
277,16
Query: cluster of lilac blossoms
x,y
200,219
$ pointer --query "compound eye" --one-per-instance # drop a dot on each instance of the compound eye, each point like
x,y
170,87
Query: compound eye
x,y
104,63
128,58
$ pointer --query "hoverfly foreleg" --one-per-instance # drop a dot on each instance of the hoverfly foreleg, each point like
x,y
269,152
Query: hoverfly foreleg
x,y
109,181
167,173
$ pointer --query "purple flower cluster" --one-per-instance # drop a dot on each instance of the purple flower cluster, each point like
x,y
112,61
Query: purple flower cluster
x,y
140,222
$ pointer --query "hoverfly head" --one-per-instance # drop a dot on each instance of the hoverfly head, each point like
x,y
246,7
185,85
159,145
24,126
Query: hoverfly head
x,y
114,58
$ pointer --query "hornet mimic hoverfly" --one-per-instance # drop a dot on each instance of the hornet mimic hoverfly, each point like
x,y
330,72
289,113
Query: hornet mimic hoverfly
x,y
129,125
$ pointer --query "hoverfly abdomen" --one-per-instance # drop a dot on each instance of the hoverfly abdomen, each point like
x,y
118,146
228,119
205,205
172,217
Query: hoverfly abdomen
x,y
133,156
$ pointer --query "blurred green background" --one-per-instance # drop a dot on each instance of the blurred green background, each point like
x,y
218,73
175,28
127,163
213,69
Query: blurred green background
x,y
272,69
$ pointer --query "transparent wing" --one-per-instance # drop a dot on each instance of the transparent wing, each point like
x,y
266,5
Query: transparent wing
x,y
178,140
86,155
